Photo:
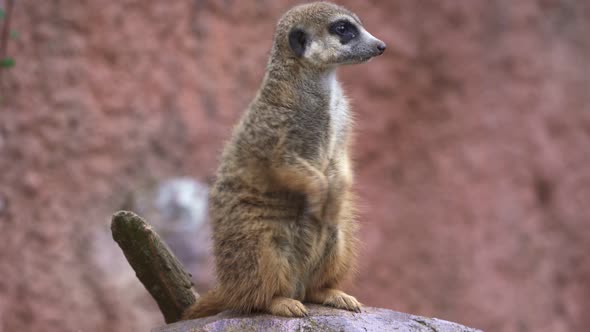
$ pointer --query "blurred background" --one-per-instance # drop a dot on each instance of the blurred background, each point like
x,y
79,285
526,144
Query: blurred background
x,y
472,154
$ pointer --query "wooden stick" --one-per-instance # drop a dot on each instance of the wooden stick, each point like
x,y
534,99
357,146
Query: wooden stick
x,y
154,264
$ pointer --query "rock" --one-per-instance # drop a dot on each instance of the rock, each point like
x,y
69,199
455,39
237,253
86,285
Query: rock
x,y
320,319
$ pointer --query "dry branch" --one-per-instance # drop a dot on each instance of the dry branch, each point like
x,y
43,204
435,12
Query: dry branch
x,y
155,265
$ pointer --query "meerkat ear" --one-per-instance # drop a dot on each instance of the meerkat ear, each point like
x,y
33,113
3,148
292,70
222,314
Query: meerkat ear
x,y
298,41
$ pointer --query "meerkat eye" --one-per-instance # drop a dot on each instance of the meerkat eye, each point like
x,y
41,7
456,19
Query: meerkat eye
x,y
341,28
345,30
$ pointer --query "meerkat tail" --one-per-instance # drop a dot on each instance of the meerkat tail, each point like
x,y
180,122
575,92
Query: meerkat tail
x,y
208,304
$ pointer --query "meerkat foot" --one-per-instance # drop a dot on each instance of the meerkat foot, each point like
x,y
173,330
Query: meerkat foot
x,y
335,298
286,307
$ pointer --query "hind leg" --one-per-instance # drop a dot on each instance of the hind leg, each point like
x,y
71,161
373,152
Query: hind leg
x,y
272,289
280,276
324,290
337,261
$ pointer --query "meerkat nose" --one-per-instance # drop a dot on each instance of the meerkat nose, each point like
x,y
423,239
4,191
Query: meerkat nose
x,y
381,47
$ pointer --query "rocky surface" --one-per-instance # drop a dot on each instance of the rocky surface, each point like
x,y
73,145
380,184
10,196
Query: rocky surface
x,y
472,152
319,319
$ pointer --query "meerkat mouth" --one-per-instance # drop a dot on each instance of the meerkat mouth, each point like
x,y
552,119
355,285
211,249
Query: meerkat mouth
x,y
363,59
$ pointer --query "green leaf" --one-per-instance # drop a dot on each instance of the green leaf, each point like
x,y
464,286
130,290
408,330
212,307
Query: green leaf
x,y
13,34
1,13
7,63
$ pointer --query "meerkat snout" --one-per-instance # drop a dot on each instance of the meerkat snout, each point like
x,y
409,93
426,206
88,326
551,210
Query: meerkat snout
x,y
368,46
381,48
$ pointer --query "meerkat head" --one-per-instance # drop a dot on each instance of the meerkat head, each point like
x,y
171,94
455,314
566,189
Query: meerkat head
x,y
325,35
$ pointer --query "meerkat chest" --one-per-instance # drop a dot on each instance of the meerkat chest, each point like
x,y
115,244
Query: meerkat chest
x,y
339,117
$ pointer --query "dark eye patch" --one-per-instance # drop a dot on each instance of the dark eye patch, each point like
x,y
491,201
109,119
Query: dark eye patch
x,y
345,30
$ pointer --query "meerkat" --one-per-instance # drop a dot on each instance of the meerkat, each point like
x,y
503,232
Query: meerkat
x,y
281,206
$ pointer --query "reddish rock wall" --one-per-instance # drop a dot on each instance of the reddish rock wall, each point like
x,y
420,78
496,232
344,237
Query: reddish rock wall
x,y
473,151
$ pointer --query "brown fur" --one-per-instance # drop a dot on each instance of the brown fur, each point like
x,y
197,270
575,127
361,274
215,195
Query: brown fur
x,y
281,207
